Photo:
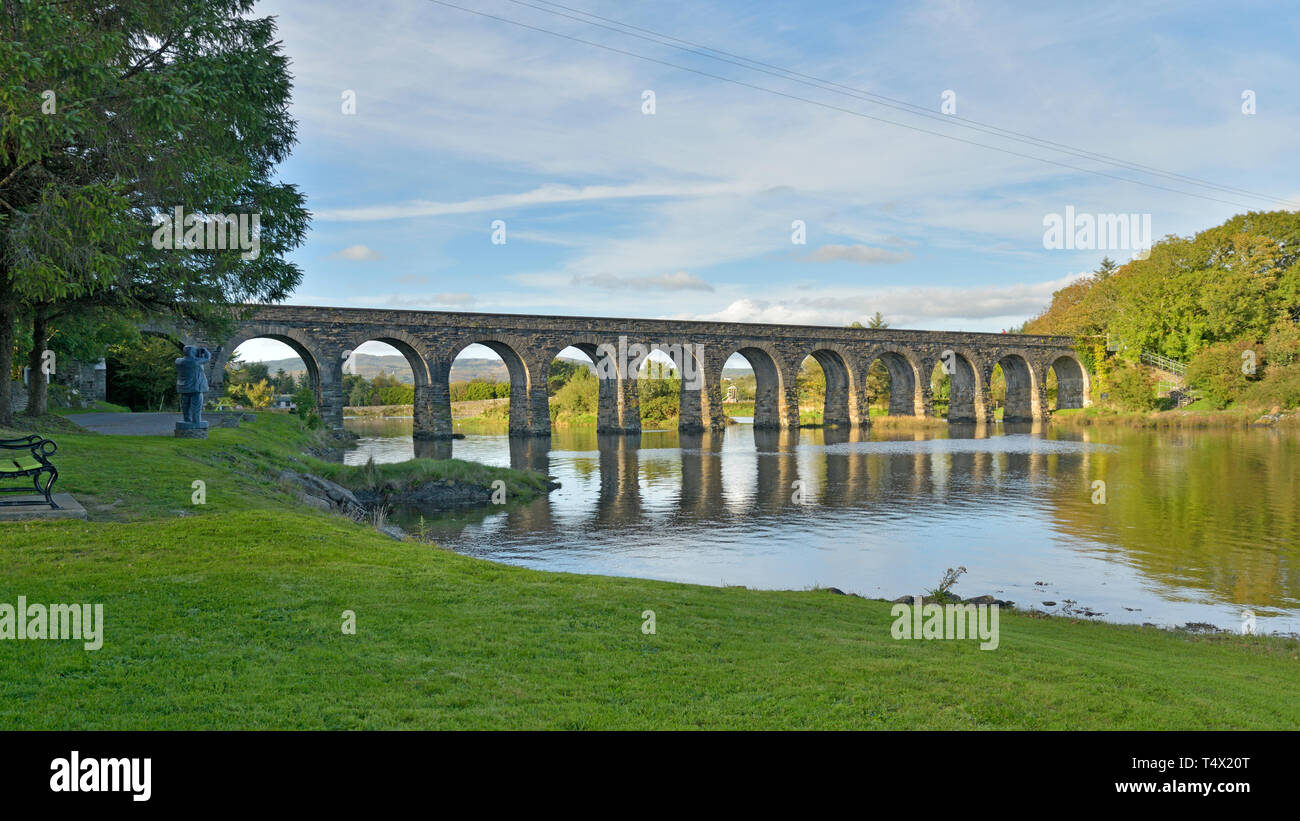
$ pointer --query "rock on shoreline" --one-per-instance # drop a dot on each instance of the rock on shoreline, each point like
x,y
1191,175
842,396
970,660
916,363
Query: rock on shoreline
x,y
437,494
323,494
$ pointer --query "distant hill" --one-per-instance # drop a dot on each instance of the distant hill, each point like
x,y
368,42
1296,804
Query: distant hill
x,y
487,370
371,365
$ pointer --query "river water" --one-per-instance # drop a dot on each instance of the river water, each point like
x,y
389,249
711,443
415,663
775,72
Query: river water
x,y
1119,524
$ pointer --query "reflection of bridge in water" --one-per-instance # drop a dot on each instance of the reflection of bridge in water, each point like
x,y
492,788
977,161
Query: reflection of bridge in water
x,y
842,469
885,511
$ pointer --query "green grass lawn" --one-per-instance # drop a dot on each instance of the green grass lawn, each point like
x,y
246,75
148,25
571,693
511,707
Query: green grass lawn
x,y
98,406
227,615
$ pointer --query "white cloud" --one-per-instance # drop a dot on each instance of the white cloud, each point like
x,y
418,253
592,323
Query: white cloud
x,y
930,306
358,253
860,254
427,302
543,195
680,281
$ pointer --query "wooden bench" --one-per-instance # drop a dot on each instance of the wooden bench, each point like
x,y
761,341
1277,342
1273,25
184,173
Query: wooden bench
x,y
28,457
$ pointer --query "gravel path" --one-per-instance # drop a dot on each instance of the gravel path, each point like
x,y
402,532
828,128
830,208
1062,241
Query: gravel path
x,y
128,424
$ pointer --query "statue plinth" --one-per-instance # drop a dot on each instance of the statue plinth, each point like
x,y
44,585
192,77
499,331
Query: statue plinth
x,y
191,430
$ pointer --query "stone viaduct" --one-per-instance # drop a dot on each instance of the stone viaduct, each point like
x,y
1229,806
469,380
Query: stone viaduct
x,y
431,340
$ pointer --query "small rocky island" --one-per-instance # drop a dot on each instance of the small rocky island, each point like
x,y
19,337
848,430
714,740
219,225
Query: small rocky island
x,y
365,493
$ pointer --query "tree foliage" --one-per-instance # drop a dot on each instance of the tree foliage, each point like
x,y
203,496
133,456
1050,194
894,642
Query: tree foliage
x,y
142,375
151,105
259,393
1229,282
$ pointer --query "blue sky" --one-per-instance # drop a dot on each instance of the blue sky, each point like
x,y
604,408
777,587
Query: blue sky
x,y
687,212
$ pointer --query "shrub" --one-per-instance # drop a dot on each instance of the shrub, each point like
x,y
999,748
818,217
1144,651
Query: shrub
x,y
259,395
1132,388
1280,388
659,409
396,395
1218,371
1282,345
660,399
580,395
61,396
304,400
478,389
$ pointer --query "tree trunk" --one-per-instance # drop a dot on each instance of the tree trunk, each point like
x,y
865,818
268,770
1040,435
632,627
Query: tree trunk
x,y
8,317
38,392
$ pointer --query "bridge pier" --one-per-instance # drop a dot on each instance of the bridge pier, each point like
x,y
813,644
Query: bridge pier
x,y
836,408
619,411
787,400
772,398
962,391
437,424
530,409
629,405
423,423
329,393
607,418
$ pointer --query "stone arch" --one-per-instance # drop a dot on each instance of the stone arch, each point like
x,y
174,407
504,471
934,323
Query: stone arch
x,y
840,406
776,405
417,356
1022,402
618,408
307,348
1073,389
411,347
968,391
529,412
907,380
324,374
700,400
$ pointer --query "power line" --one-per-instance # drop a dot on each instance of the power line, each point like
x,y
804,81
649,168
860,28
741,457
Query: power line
x,y
880,99
841,109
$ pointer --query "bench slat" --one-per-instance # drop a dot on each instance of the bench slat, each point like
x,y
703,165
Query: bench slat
x,y
23,463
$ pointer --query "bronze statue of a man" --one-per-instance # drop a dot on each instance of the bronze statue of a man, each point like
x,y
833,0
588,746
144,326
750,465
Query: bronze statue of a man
x,y
192,384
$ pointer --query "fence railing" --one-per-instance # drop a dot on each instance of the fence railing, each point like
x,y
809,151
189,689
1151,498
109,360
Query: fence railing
x,y
1164,363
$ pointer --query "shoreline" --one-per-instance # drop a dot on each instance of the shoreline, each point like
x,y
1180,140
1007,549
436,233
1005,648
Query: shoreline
x,y
1226,418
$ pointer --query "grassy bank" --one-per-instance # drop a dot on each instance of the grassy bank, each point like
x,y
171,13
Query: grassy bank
x,y
381,411
228,615
124,478
1196,415
97,406
471,408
